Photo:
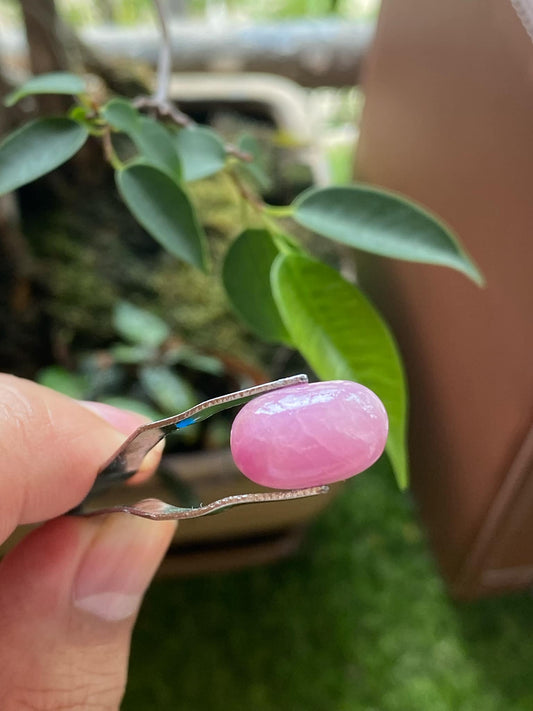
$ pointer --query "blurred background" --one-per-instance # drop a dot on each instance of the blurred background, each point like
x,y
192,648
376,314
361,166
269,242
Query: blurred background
x,y
382,600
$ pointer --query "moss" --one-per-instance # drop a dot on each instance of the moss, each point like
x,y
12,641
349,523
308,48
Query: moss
x,y
223,212
79,299
91,253
195,305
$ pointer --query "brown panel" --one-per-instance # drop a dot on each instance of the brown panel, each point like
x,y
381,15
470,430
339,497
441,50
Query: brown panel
x,y
449,121
501,557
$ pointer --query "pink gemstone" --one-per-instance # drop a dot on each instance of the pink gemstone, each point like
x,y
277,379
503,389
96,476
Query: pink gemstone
x,y
307,435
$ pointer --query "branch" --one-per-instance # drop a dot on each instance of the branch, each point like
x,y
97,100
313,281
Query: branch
x,y
236,152
165,109
247,195
164,64
159,101
109,150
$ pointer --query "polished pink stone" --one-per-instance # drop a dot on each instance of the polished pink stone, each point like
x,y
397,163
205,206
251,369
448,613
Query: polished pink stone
x,y
307,435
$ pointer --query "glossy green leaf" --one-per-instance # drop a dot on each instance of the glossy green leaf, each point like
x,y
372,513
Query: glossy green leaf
x,y
36,149
164,210
169,392
343,337
139,326
156,146
201,151
121,115
53,83
60,379
383,223
153,141
246,277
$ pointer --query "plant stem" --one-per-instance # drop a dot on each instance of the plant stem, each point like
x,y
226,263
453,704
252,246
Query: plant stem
x,y
247,195
164,63
279,210
236,152
159,100
109,150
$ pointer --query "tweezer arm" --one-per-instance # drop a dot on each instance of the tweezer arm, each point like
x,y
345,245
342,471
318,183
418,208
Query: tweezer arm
x,y
157,510
128,458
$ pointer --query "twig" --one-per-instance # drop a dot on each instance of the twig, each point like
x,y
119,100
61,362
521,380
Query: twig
x,y
165,109
247,195
109,150
159,101
236,152
164,63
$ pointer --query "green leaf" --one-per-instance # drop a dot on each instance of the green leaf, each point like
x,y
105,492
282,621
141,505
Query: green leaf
x,y
128,355
201,151
62,380
139,326
53,83
256,169
343,337
191,358
383,223
164,210
246,277
170,392
36,149
153,141
130,403
156,146
121,115
85,116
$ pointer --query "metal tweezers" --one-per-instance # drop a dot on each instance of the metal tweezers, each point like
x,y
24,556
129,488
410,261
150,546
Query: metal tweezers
x,y
128,458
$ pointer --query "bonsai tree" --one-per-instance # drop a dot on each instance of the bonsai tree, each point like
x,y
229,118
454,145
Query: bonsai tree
x,y
281,290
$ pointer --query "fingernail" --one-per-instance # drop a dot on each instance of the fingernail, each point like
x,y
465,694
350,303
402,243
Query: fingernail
x,y
119,565
127,422
124,420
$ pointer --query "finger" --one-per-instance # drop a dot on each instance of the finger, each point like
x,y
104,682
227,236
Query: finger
x,y
69,597
127,422
51,449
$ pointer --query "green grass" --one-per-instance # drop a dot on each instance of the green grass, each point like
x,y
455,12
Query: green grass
x,y
358,621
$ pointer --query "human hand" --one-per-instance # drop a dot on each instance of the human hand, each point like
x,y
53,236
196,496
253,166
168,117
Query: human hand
x,y
70,592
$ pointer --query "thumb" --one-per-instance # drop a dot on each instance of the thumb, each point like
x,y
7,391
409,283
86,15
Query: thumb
x,y
69,596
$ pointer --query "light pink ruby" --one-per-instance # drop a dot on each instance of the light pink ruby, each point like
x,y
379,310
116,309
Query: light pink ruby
x,y
308,435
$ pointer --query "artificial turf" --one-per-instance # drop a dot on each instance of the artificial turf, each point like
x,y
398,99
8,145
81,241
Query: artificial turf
x,y
359,620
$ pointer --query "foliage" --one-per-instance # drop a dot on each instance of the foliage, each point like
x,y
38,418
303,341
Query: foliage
x,y
161,206
281,291
148,371
246,276
309,295
38,148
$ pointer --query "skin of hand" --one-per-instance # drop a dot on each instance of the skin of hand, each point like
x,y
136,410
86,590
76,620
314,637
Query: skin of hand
x,y
71,590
